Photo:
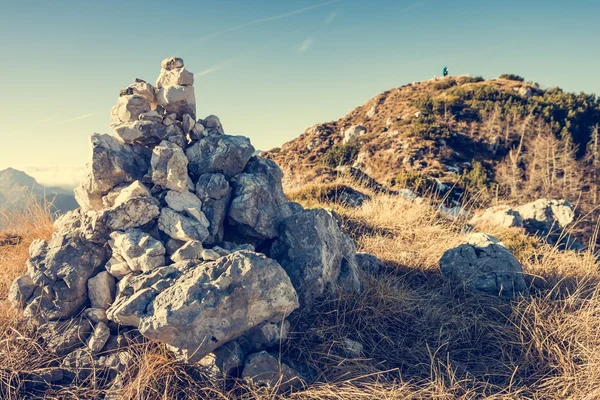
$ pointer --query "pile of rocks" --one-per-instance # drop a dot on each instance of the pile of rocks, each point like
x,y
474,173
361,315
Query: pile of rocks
x,y
183,237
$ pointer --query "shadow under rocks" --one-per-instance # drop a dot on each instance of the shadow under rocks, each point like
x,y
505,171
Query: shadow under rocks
x,y
10,240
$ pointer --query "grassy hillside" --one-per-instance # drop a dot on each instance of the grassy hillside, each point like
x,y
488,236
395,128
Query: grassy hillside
x,y
421,337
497,138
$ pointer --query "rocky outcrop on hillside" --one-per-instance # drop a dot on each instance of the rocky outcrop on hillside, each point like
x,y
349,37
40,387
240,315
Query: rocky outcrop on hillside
x,y
183,237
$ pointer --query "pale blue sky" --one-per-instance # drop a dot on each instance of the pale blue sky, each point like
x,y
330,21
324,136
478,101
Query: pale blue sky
x,y
268,68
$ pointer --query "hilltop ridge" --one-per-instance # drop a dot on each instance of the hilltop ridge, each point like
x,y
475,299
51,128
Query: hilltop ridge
x,y
463,131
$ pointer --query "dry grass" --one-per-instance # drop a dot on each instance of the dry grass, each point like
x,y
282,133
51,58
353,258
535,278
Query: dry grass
x,y
421,338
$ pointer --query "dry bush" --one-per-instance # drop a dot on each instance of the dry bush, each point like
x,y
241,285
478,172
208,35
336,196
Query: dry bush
x,y
421,338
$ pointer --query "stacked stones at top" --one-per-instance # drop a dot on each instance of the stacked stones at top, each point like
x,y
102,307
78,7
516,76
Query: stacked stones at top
x,y
183,235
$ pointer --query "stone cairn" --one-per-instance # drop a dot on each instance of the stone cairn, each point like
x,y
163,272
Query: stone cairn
x,y
184,237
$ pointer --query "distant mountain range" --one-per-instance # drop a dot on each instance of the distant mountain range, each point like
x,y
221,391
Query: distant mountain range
x,y
17,189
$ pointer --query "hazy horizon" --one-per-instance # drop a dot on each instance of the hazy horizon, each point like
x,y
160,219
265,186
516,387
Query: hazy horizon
x,y
268,69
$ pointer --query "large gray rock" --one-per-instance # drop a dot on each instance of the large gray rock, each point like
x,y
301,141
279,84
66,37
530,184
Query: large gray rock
x,y
484,264
139,250
214,303
222,154
264,369
545,216
169,167
258,204
215,193
501,215
316,255
62,266
112,163
136,292
177,99
180,227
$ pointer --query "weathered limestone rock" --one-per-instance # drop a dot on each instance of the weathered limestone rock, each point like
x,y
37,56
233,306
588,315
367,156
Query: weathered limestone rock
x,y
258,204
217,302
136,189
180,227
143,89
133,213
222,154
62,266
171,63
99,337
145,132
264,369
501,215
187,203
187,124
170,119
484,264
112,163
169,166
316,254
101,290
177,99
353,133
192,250
138,250
197,132
117,267
213,125
544,216
79,364
62,337
215,193
266,335
129,108
96,315
175,77
230,358
210,255
21,290
136,292
152,116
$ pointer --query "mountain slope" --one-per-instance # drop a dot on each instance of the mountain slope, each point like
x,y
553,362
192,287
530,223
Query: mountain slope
x,y
481,135
17,189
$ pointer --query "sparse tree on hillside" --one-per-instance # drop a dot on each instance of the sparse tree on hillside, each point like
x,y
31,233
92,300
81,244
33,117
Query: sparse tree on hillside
x,y
592,163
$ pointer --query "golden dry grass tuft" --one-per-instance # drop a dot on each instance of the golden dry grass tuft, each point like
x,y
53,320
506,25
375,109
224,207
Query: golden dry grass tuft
x,y
421,338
